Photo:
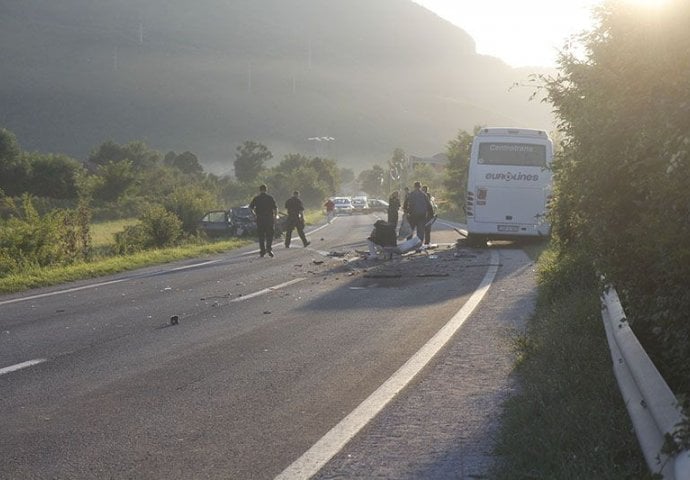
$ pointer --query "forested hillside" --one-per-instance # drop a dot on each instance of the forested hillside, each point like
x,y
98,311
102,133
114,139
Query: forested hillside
x,y
208,75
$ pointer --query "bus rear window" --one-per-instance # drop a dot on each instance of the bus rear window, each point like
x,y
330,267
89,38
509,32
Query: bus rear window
x,y
512,154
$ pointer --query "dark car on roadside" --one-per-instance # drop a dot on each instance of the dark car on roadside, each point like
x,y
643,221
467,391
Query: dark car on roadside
x,y
244,221
236,222
216,223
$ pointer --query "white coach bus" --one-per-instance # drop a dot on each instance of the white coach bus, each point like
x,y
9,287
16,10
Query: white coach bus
x,y
508,184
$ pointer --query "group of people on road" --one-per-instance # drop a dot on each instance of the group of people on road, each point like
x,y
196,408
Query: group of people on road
x,y
266,211
419,211
418,207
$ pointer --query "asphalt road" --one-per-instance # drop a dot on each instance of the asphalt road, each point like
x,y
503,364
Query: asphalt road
x,y
269,355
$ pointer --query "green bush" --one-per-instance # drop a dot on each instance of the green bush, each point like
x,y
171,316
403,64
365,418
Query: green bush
x,y
131,240
163,228
190,204
157,228
59,237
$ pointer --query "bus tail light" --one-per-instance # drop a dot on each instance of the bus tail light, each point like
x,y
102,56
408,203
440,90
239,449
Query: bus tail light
x,y
469,204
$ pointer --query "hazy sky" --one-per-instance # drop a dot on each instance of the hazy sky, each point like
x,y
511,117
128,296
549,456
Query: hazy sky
x,y
520,32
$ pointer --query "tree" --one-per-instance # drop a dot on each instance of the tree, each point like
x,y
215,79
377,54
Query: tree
x,y
15,170
250,161
54,176
398,168
347,175
621,196
371,181
188,163
115,179
458,152
138,153
327,174
315,178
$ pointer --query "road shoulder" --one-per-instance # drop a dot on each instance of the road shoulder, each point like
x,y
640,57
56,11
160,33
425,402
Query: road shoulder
x,y
443,424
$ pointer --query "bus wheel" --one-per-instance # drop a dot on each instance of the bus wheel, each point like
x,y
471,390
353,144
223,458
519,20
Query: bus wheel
x,y
476,241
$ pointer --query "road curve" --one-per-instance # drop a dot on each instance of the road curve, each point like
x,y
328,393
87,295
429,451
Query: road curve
x,y
268,355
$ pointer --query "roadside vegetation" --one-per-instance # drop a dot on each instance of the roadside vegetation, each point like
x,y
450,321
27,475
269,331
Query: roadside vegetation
x,y
129,206
621,209
36,276
568,420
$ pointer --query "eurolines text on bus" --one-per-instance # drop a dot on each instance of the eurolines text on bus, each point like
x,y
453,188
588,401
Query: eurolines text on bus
x,y
509,176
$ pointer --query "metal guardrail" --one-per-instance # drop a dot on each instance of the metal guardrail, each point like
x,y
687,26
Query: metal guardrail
x,y
651,404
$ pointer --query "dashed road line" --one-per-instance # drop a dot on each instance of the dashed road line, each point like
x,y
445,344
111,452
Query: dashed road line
x,y
267,290
19,366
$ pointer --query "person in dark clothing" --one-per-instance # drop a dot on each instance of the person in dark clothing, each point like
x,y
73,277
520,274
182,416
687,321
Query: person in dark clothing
x,y
432,212
295,219
418,208
393,207
405,224
265,210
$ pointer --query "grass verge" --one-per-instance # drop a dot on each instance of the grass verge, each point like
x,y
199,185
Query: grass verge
x,y
568,421
42,277
102,235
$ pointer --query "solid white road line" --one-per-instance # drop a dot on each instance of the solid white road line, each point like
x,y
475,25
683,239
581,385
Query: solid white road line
x,y
100,284
330,444
61,292
19,366
266,290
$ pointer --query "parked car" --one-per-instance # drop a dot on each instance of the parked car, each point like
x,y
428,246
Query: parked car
x,y
244,221
377,205
343,205
236,222
216,223
359,205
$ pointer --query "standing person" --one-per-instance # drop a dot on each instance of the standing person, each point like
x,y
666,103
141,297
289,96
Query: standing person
x,y
405,218
265,210
432,212
330,210
295,219
393,207
418,207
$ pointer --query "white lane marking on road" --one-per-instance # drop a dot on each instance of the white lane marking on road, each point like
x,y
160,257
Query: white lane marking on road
x,y
19,366
96,285
266,290
62,292
194,265
330,444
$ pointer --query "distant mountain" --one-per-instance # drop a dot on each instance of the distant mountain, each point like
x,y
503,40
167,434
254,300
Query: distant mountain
x,y
207,75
